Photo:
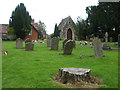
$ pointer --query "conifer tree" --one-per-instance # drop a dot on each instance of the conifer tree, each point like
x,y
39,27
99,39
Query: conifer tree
x,y
21,21
56,31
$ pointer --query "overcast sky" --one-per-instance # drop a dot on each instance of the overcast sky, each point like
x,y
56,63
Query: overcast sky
x,y
48,11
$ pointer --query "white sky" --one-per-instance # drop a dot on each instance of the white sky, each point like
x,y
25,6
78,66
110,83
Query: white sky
x,y
48,11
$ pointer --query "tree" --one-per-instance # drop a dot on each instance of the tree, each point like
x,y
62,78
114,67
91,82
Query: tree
x,y
56,31
81,28
42,29
21,21
105,17
42,25
11,31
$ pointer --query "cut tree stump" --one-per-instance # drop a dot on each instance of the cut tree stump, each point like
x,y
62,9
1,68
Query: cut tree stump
x,y
73,75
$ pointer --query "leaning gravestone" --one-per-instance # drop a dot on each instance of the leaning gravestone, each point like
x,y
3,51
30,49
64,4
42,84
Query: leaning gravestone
x,y
118,40
19,43
48,41
106,46
97,48
54,43
68,47
64,42
29,45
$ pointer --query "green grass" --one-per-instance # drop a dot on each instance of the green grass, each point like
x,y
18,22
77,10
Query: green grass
x,y
34,69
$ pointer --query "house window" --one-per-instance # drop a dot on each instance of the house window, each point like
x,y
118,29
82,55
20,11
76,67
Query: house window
x,y
30,32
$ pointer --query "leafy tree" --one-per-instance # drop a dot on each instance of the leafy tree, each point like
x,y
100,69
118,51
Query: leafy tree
x,y
21,21
56,31
81,29
42,25
40,34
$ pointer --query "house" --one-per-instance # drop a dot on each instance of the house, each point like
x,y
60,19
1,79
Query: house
x,y
3,31
34,34
66,29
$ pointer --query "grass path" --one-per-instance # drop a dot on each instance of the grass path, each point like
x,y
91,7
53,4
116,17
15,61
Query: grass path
x,y
34,69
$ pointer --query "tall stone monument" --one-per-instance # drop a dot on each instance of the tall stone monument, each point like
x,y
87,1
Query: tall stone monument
x,y
98,52
106,37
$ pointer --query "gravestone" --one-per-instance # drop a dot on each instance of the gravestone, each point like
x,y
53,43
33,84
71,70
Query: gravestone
x,y
48,41
19,43
64,42
97,48
68,47
29,45
106,46
54,43
118,40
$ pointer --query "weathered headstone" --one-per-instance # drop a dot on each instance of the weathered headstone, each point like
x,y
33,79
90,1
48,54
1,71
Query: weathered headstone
x,y
68,47
19,43
97,47
48,41
54,43
105,45
119,40
29,45
64,42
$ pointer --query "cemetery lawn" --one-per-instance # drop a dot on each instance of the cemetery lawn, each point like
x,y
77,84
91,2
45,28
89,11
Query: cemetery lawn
x,y
35,69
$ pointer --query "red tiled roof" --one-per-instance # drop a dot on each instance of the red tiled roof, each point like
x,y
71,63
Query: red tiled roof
x,y
4,28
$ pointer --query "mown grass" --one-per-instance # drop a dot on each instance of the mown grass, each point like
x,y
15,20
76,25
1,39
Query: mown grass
x,y
34,69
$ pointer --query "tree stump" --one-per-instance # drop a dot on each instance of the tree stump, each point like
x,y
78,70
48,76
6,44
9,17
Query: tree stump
x,y
73,75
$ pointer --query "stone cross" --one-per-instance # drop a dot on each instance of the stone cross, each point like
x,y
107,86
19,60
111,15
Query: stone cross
x,y
106,37
98,52
54,43
119,40
69,45
48,41
19,43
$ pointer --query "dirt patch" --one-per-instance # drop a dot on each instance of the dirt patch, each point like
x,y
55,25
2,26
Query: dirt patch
x,y
95,82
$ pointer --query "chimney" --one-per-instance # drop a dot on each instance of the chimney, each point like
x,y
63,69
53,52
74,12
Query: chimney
x,y
32,21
